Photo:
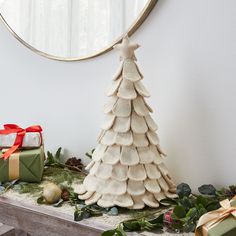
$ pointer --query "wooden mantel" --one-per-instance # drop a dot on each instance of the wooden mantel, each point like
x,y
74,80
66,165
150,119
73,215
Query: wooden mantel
x,y
38,221
30,219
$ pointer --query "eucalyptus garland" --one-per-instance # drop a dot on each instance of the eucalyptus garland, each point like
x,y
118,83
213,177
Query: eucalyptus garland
x,y
183,213
175,215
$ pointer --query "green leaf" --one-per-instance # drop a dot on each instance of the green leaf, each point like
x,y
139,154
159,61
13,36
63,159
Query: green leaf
x,y
207,189
157,220
109,232
232,188
178,225
192,213
168,202
120,231
132,225
183,189
88,155
201,212
202,200
80,215
186,203
179,211
189,227
58,153
213,206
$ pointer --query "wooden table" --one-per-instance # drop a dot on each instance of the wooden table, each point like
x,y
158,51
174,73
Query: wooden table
x,y
38,221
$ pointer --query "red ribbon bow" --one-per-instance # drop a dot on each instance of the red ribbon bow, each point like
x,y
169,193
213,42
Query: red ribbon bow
x,y
20,133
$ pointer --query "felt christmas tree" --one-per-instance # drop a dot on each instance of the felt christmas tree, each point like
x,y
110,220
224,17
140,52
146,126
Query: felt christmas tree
x,y
127,168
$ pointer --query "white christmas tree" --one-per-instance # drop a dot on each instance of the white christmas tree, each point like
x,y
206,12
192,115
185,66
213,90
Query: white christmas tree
x,y
127,168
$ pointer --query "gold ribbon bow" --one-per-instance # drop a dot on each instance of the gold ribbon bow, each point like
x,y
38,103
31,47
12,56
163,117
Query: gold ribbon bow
x,y
212,218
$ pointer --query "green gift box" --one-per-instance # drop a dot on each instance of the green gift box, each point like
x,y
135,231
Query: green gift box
x,y
25,165
226,226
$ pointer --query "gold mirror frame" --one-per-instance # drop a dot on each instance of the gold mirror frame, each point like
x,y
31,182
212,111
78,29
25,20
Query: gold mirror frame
x,y
143,15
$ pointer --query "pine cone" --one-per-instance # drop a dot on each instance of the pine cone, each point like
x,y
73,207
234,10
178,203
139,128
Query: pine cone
x,y
232,189
65,195
74,164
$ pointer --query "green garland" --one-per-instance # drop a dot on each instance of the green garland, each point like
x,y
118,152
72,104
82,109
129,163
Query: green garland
x,y
183,213
175,215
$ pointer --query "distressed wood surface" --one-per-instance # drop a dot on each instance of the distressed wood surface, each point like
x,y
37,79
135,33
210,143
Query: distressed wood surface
x,y
6,230
37,221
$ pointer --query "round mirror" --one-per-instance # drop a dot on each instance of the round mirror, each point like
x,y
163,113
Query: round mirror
x,y
73,29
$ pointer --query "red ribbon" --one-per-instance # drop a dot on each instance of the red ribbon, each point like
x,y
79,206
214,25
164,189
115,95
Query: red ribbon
x,y
20,133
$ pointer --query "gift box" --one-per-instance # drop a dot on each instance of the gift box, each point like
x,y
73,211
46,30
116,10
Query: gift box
x,y
25,165
30,140
221,222
14,135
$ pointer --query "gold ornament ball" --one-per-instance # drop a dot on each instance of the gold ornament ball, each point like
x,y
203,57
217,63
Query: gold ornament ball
x,y
51,193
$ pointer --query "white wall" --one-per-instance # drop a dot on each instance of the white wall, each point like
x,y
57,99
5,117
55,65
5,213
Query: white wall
x,y
188,57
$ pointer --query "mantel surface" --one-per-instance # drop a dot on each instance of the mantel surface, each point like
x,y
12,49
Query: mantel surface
x,y
23,213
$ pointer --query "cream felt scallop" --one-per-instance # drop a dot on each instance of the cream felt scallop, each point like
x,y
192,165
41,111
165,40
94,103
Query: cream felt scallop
x,y
140,107
137,172
146,155
85,195
99,152
80,189
110,104
129,156
127,168
135,188
119,172
90,165
122,107
106,200
93,199
124,200
130,71
152,171
140,140
126,90
116,187
119,71
108,122
103,171
152,137
141,89
111,155
100,136
148,107
121,124
151,123
109,138
114,87
152,186
94,168
163,184
138,202
138,124
150,200
124,139
90,183
159,196
157,156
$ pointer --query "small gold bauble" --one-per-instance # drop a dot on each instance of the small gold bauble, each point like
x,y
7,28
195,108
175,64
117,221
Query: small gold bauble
x,y
51,193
